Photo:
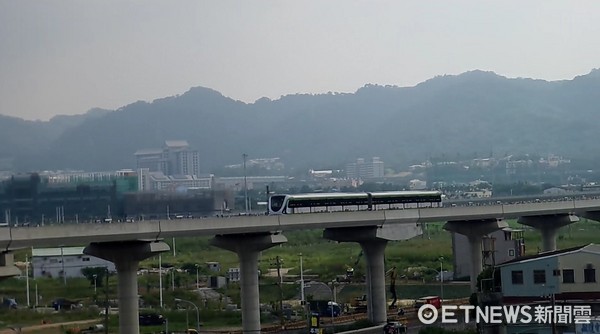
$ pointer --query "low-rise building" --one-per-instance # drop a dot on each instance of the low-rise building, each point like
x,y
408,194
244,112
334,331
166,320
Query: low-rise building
x,y
565,280
252,182
497,247
64,261
417,184
568,274
213,266
217,282
233,274
158,181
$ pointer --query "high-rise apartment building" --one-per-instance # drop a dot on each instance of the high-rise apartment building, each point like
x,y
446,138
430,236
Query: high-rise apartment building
x,y
363,170
175,158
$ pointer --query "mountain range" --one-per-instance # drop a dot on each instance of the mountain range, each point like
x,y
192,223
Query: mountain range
x,y
475,113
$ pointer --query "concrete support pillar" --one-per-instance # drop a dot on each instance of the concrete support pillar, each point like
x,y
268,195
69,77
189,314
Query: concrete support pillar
x,y
373,241
476,258
549,239
374,252
474,230
7,266
548,226
249,291
126,256
128,296
248,248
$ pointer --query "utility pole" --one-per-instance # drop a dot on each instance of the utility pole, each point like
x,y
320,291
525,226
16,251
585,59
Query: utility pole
x,y
174,253
27,277
302,301
160,285
278,262
106,304
244,156
62,260
553,303
197,276
172,279
442,279
267,201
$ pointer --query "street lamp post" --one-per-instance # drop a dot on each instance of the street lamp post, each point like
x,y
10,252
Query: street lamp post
x,y
245,183
302,300
106,306
197,311
197,276
95,286
333,305
27,278
160,285
62,260
441,279
301,282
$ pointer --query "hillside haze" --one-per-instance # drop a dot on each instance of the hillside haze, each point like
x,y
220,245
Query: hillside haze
x,y
474,113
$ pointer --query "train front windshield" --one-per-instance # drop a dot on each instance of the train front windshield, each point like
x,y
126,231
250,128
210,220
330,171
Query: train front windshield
x,y
276,202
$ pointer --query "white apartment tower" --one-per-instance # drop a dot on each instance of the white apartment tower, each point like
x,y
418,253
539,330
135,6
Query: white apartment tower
x,y
364,170
175,158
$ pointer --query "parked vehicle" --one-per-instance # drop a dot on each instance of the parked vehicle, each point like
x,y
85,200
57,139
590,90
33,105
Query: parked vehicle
x,y
10,303
433,300
151,319
394,327
325,308
93,329
65,304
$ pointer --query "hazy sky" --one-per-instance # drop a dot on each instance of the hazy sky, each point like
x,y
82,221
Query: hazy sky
x,y
65,57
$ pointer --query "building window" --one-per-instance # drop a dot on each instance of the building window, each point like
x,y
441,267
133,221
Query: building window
x,y
511,252
86,259
539,277
517,277
556,272
589,275
568,276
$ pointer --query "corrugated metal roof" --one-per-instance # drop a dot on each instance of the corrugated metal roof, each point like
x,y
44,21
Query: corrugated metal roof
x,y
590,247
60,251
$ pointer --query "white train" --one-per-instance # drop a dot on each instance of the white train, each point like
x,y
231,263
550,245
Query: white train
x,y
329,202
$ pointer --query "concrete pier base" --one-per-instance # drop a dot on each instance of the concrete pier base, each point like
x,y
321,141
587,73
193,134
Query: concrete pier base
x,y
373,241
7,266
548,227
248,248
126,256
474,230
374,254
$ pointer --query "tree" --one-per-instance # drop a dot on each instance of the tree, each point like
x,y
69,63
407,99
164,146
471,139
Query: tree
x,y
98,272
485,277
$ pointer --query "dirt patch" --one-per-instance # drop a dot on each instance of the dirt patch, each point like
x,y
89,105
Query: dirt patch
x,y
47,328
